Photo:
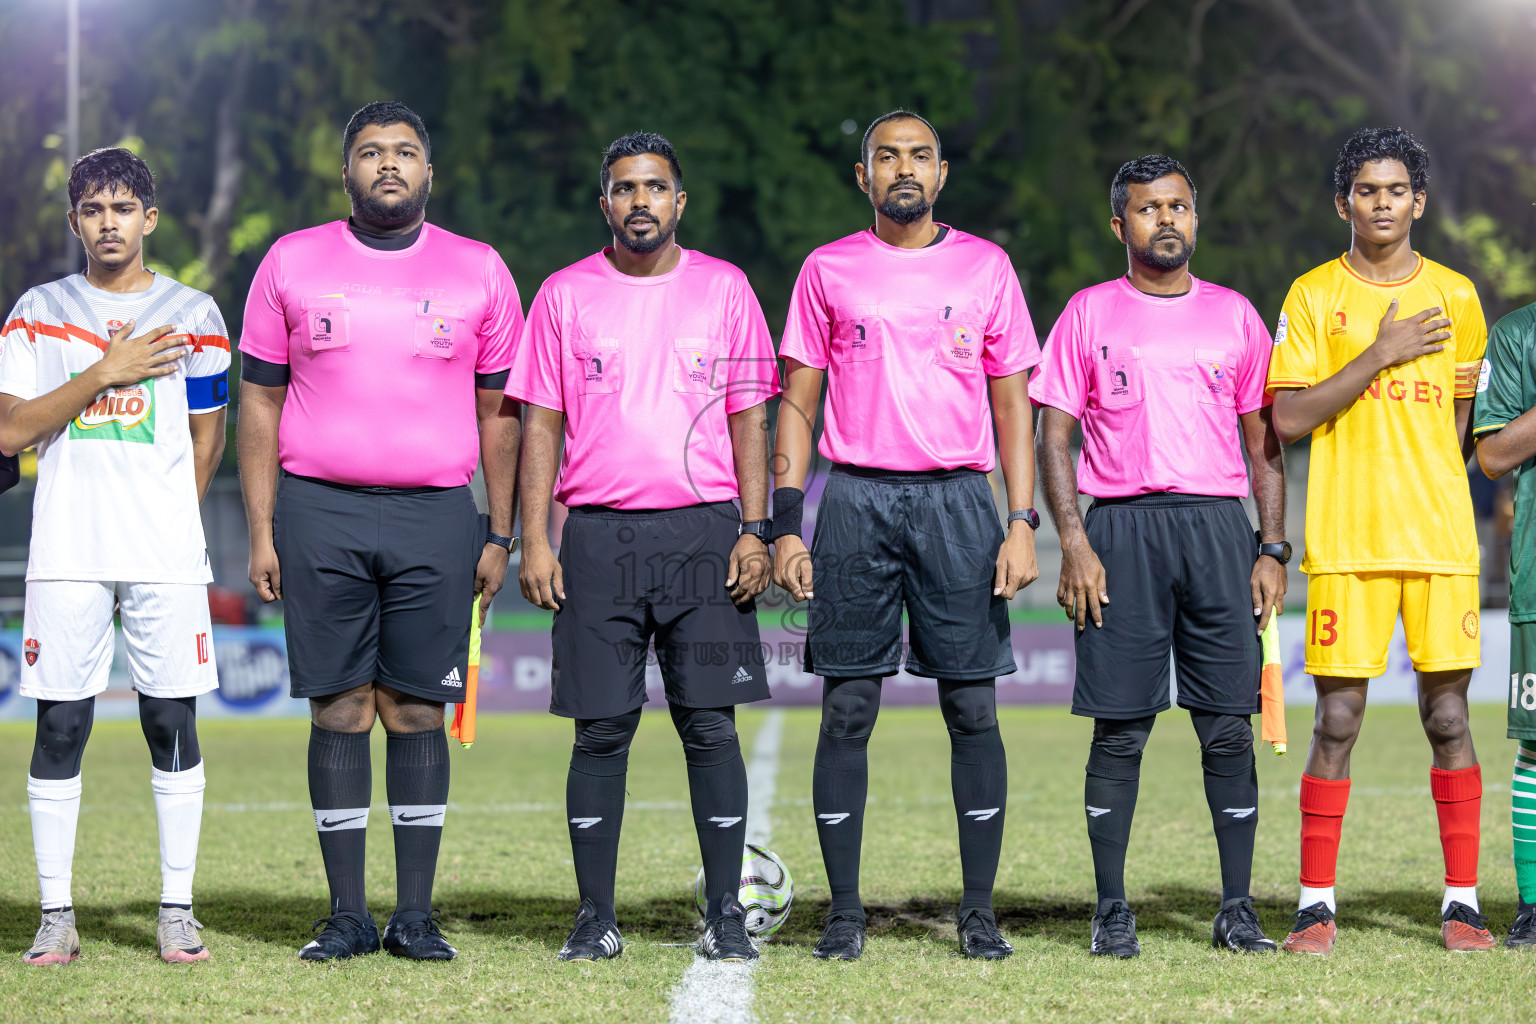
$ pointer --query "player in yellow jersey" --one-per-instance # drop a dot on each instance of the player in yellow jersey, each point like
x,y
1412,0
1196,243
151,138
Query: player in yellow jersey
x,y
1377,356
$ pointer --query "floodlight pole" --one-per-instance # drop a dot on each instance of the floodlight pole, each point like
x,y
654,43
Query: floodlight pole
x,y
70,260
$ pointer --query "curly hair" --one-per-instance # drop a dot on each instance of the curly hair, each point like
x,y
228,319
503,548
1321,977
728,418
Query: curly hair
x,y
1369,144
1143,171
383,113
111,170
637,144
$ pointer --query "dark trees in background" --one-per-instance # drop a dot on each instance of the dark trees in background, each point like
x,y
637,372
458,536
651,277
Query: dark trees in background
x,y
238,104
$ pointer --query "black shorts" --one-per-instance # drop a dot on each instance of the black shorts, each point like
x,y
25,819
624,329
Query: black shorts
x,y
377,586
631,577
1177,568
926,542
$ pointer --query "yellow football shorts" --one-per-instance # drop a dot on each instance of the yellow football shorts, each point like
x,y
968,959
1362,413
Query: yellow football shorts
x,y
1350,618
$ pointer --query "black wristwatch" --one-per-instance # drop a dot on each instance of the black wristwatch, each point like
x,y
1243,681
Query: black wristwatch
x,y
1027,515
759,528
1280,552
510,543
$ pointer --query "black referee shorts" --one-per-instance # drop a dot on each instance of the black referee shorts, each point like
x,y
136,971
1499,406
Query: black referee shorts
x,y
632,577
926,542
377,586
1177,568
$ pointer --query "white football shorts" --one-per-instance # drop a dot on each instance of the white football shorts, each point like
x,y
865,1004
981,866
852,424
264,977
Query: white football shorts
x,y
67,638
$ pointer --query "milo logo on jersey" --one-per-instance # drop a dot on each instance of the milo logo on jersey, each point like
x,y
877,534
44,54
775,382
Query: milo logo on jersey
x,y
119,414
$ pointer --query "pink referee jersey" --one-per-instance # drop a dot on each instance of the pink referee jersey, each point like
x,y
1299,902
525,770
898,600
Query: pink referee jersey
x,y
646,370
1158,384
382,349
909,338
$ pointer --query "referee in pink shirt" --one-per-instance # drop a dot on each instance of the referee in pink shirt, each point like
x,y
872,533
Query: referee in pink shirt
x,y
925,343
655,363
374,355
1165,374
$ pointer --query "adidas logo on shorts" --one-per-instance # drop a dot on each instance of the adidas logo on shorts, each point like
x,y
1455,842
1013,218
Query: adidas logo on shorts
x,y
453,679
741,676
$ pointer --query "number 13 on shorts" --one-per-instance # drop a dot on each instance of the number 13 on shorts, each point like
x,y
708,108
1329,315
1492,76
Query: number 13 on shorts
x,y
1323,633
1351,618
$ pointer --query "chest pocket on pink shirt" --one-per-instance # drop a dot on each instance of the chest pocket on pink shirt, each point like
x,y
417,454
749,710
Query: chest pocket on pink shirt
x,y
1117,376
597,366
441,331
1216,378
858,334
694,369
324,324
959,340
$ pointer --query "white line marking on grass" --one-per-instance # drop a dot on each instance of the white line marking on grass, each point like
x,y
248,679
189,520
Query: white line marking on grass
x,y
763,778
719,993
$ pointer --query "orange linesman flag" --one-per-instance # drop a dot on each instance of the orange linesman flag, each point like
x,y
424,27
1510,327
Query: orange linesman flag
x,y
463,728
1271,689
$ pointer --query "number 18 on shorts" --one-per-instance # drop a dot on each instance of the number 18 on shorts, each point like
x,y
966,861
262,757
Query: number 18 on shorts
x,y
1522,681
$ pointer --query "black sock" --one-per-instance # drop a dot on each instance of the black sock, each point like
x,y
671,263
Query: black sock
x,y
340,790
594,805
1232,792
416,781
978,775
1109,795
840,783
717,790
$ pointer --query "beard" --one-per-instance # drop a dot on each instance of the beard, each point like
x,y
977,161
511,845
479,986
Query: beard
x,y
904,208
643,245
378,211
1152,257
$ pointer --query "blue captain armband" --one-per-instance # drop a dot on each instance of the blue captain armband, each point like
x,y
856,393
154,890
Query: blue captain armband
x,y
205,394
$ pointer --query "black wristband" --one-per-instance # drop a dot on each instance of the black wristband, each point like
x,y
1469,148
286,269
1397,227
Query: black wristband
x,y
788,506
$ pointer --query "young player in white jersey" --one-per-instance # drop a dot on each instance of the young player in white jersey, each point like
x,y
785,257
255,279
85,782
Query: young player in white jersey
x,y
128,431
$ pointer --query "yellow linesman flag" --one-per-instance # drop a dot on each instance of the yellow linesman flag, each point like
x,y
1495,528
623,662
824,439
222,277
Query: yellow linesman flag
x,y
463,728
1271,689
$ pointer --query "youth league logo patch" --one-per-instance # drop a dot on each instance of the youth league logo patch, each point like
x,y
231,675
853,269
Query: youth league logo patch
x,y
1215,376
1281,328
1483,373
962,346
31,649
696,367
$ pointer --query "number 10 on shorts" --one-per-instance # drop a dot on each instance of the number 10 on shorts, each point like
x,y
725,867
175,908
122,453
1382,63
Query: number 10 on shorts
x,y
1522,690
202,648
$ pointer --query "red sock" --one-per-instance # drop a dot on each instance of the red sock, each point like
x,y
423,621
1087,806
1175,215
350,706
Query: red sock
x,y
1459,805
1322,819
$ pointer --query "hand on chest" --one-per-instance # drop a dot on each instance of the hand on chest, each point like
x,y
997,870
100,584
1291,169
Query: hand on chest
x,y
1346,328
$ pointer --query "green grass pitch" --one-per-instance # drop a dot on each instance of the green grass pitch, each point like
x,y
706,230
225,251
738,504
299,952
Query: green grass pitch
x,y
507,894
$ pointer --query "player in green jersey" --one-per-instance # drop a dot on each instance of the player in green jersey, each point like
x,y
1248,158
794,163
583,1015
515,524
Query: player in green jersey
x,y
1504,423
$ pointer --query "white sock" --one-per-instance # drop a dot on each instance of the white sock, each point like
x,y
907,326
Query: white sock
x,y
55,807
179,806
1467,895
1310,896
